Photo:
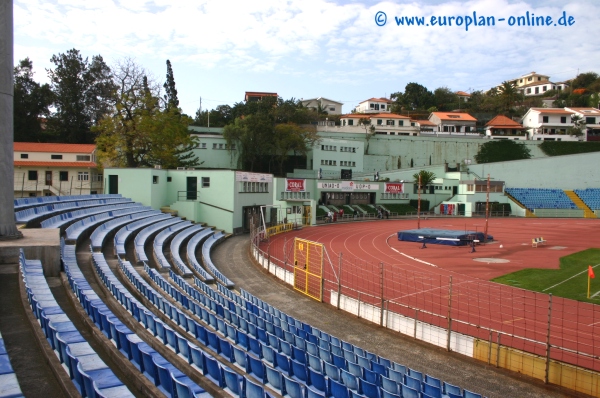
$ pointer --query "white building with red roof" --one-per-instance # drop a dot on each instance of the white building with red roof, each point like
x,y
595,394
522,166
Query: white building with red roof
x,y
47,169
383,123
504,128
453,123
591,117
374,105
550,124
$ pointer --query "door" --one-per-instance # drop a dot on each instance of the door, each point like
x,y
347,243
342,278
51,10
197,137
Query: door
x,y
48,177
191,188
113,184
454,190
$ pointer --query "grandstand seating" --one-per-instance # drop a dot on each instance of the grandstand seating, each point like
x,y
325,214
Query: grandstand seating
x,y
275,351
191,254
74,230
590,196
161,238
206,249
86,369
124,232
144,234
541,198
99,234
176,245
23,203
9,385
63,219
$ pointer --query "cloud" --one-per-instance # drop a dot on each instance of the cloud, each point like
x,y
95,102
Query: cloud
x,y
336,40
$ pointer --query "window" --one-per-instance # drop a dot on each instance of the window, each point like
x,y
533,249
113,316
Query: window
x,y
350,122
56,157
83,158
400,122
537,90
214,146
390,122
203,145
169,179
544,119
563,119
529,90
545,88
382,106
32,175
220,146
83,176
233,147
590,120
205,182
529,79
331,109
154,179
379,122
63,176
24,156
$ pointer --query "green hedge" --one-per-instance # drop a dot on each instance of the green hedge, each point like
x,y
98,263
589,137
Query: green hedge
x,y
558,148
424,204
400,208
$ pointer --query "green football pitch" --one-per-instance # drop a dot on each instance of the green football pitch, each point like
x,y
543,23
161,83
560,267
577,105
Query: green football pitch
x,y
570,281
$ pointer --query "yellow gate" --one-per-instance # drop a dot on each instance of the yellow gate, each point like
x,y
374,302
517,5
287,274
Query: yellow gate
x,y
308,268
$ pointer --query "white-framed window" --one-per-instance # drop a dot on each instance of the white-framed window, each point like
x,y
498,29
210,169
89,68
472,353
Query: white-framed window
x,y
205,182
203,145
83,176
83,158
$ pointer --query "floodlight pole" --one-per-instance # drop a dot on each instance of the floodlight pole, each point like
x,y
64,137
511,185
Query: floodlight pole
x,y
419,204
487,210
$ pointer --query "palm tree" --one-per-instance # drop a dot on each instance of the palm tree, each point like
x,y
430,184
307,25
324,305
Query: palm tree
x,y
508,93
427,178
578,125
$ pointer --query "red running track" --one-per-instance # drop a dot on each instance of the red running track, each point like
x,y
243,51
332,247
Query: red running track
x,y
416,282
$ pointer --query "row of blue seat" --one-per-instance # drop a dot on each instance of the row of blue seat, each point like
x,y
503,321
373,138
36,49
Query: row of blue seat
x,y
60,220
590,196
47,210
191,254
142,236
206,250
75,230
125,232
9,385
542,198
294,362
220,374
175,246
89,373
168,378
99,234
161,238
27,202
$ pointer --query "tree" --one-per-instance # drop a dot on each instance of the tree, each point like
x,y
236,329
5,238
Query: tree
x,y
502,150
417,96
508,93
252,136
289,137
31,104
578,127
139,132
445,99
584,80
83,93
427,177
170,91
369,130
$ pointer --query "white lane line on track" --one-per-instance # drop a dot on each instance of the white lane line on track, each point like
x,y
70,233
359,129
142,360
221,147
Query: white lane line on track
x,y
412,258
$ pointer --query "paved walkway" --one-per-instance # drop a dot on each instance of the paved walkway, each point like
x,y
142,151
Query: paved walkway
x,y
233,259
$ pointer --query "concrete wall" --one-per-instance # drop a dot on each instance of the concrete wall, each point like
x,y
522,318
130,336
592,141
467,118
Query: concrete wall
x,y
563,172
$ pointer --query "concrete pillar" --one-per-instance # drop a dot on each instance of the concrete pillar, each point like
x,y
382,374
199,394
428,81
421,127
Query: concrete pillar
x,y
8,227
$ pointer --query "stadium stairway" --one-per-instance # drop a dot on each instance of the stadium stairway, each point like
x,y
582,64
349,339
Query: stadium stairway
x,y
587,212
528,213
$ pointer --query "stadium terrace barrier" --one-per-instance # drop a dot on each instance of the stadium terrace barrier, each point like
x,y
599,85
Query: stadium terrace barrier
x,y
278,229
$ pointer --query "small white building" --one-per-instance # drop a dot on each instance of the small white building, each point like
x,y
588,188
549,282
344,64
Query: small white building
x,y
454,123
374,105
549,124
504,128
329,106
384,124
55,169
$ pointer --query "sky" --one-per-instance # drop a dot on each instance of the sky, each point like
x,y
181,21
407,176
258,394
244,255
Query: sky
x,y
344,50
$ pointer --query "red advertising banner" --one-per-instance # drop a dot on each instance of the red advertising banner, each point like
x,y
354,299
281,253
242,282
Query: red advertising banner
x,y
295,185
394,187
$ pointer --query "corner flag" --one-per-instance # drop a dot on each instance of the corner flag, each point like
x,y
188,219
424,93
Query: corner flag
x,y
590,277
